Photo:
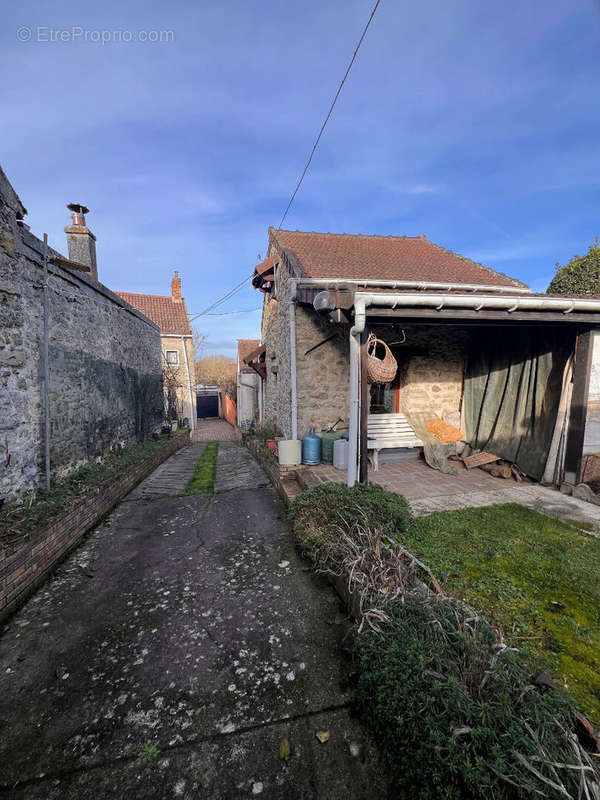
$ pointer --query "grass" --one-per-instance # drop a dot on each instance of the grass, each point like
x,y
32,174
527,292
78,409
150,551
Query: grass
x,y
203,479
149,751
535,577
19,519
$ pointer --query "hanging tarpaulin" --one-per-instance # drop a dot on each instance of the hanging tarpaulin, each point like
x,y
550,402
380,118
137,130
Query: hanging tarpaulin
x,y
513,385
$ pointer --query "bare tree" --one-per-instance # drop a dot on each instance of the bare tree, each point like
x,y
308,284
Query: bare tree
x,y
173,406
219,371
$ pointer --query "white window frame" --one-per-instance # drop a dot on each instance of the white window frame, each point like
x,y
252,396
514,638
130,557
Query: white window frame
x,y
172,363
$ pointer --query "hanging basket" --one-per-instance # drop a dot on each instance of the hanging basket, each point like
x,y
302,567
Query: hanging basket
x,y
381,364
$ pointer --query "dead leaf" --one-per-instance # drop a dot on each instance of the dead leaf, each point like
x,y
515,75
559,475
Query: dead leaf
x,y
322,736
384,590
61,671
284,750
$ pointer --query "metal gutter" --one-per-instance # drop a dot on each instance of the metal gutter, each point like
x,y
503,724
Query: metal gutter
x,y
421,285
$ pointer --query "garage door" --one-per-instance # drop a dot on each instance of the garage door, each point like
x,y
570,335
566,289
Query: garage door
x,y
208,406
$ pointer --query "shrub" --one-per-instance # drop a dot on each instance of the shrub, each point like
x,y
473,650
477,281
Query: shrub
x,y
264,430
455,711
331,505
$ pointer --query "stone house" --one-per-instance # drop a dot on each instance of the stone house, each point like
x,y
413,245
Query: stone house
x,y
456,328
103,362
170,314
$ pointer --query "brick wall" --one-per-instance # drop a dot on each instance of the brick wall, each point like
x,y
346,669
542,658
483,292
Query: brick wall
x,y
24,565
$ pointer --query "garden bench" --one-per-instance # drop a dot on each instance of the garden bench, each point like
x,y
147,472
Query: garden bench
x,y
387,431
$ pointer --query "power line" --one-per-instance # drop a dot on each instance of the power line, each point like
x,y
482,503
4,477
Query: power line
x,y
226,313
337,94
310,158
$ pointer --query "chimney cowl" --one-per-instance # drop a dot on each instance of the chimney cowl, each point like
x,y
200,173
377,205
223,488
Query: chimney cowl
x,y
78,212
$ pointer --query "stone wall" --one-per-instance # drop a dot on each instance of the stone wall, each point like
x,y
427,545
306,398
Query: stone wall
x,y
275,334
323,376
433,381
105,362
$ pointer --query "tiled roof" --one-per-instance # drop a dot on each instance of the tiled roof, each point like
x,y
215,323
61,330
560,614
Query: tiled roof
x,y
342,255
245,347
170,316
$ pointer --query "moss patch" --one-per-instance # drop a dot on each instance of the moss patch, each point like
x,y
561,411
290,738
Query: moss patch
x,y
203,479
536,577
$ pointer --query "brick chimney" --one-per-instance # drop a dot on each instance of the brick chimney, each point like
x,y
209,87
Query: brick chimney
x,y
176,288
80,240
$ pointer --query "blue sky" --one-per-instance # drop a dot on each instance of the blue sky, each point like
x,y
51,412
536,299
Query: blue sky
x,y
474,123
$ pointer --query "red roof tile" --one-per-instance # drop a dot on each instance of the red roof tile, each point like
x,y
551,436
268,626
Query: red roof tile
x,y
245,347
170,316
342,255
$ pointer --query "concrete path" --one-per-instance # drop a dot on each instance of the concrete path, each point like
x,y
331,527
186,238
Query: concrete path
x,y
172,653
172,477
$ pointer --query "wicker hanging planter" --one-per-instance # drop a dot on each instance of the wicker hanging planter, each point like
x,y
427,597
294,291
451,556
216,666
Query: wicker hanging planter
x,y
381,364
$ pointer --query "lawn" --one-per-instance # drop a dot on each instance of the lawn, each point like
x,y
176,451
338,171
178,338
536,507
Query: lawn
x,y
203,479
535,577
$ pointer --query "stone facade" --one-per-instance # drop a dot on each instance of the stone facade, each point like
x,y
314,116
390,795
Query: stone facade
x,y
275,335
323,376
105,361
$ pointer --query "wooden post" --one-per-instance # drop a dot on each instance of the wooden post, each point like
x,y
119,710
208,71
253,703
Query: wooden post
x,y
363,473
578,411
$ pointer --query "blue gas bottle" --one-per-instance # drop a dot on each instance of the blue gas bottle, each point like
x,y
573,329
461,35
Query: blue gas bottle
x,y
311,448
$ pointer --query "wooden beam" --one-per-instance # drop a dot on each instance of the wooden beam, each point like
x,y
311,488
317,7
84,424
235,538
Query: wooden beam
x,y
578,411
483,316
363,472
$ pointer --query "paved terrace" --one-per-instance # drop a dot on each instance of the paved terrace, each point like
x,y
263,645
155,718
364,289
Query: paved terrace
x,y
428,490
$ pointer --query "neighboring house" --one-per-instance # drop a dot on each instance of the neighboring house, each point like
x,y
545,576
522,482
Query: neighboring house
x,y
104,360
249,385
171,316
473,346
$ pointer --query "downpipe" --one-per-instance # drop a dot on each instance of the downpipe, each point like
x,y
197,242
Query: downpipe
x,y
293,382
360,318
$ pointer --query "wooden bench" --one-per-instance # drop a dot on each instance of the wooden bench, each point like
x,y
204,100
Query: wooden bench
x,y
389,430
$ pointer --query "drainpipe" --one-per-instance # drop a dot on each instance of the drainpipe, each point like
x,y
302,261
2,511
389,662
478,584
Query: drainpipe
x,y
189,381
360,318
294,388
437,302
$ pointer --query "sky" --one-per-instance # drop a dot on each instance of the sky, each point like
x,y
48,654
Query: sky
x,y
185,131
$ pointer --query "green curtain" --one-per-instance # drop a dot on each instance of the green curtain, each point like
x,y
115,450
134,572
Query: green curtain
x,y
513,382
